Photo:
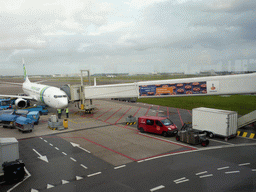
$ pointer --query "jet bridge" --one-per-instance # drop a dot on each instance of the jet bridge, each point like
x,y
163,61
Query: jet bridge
x,y
201,86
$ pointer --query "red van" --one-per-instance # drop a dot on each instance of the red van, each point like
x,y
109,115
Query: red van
x,y
159,125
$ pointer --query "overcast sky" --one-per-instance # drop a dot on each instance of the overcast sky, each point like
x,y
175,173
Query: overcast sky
x,y
127,36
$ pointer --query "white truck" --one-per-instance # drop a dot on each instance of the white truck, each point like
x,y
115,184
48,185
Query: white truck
x,y
215,122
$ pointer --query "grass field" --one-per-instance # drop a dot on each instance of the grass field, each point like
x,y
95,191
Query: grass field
x,y
243,104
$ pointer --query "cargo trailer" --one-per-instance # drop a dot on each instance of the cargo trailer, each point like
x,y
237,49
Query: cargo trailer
x,y
215,122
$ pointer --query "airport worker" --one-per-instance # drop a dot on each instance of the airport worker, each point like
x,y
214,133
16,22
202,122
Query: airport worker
x,y
67,112
59,113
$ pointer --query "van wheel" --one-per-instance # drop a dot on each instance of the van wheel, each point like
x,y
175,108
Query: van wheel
x,y
204,143
142,130
165,134
211,135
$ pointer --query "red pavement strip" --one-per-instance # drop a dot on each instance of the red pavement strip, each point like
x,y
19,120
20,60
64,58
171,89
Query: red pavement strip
x,y
104,113
136,132
148,110
190,148
122,115
157,110
180,117
189,112
112,115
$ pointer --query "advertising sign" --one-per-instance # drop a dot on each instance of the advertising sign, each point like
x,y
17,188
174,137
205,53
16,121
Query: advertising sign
x,y
173,89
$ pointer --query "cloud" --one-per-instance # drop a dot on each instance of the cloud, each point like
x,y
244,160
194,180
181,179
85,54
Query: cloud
x,y
174,32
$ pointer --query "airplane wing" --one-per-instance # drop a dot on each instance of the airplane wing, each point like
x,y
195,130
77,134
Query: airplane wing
x,y
18,96
11,83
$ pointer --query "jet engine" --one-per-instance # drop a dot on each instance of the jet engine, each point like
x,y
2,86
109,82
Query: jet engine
x,y
21,103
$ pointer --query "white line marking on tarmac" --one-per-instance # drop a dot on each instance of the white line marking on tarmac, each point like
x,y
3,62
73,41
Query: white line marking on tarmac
x,y
157,188
232,172
244,164
40,137
182,181
203,176
201,173
253,169
34,190
83,166
72,159
45,141
179,179
222,168
221,142
94,174
199,150
50,144
120,167
29,175
64,153
57,148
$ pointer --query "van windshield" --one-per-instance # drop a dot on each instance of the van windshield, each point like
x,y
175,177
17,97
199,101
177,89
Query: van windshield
x,y
167,122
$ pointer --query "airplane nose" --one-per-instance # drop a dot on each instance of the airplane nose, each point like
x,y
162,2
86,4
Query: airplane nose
x,y
63,103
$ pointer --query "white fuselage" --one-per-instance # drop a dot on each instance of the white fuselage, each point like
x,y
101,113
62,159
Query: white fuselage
x,y
51,96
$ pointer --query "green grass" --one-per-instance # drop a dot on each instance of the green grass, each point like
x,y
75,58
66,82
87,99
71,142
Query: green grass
x,y
243,104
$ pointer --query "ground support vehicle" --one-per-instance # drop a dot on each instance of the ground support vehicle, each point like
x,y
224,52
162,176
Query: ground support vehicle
x,y
24,124
33,115
215,122
54,123
11,168
6,103
130,120
158,125
40,108
188,135
8,120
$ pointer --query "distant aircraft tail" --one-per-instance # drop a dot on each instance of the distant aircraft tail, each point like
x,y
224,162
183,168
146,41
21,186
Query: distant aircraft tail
x,y
25,72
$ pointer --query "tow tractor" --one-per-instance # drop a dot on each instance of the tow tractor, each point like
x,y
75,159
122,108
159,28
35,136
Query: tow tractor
x,y
188,135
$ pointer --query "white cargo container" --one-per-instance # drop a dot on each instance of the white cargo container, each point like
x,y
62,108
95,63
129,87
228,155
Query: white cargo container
x,y
9,151
215,122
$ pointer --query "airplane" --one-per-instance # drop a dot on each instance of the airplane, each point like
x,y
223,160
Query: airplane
x,y
51,96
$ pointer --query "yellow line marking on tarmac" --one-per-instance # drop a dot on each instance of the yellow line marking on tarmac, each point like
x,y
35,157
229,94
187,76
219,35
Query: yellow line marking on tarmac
x,y
244,135
238,133
80,122
252,135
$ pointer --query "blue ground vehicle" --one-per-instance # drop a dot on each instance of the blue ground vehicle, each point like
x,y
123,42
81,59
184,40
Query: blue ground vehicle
x,y
8,120
40,108
24,124
33,115
6,103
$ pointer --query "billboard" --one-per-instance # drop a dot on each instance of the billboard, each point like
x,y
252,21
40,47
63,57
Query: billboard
x,y
173,89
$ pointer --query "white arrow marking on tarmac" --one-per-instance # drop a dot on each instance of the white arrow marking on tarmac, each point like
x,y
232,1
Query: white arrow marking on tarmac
x,y
49,186
34,190
64,182
78,178
44,158
77,145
